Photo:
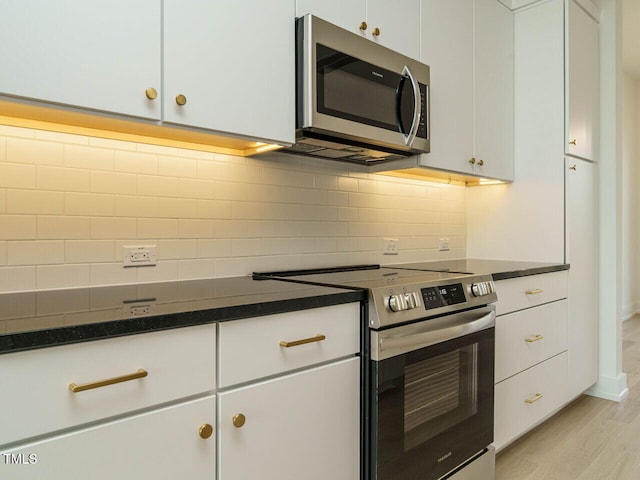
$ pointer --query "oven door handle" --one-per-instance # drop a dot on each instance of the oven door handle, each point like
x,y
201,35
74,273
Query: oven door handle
x,y
455,328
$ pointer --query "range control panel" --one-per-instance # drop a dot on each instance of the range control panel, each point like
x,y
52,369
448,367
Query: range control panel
x,y
439,296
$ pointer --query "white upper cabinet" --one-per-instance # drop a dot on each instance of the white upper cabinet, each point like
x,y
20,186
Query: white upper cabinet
x,y
493,94
229,67
469,47
395,25
582,79
83,53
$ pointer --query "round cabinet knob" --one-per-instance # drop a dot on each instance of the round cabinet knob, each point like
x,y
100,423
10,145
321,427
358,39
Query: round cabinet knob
x,y
472,161
151,93
239,420
573,142
181,100
376,32
363,26
573,167
481,162
205,431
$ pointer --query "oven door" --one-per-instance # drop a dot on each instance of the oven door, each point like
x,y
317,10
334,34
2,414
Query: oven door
x,y
432,395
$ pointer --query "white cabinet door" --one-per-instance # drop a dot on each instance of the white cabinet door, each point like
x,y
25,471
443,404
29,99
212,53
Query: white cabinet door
x,y
582,84
304,425
581,245
233,63
447,47
161,445
398,24
493,90
85,53
348,14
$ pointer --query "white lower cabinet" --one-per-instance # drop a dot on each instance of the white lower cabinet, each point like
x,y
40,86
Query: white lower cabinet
x,y
523,401
161,444
302,425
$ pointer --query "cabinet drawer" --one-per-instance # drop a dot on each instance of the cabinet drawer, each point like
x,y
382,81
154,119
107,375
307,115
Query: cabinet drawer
x,y
179,363
523,401
528,337
524,292
251,348
161,444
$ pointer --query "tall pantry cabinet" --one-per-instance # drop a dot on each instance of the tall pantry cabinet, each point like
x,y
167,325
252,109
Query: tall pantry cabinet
x,y
550,213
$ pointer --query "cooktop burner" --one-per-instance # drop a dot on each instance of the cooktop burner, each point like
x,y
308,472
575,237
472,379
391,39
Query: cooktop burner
x,y
399,295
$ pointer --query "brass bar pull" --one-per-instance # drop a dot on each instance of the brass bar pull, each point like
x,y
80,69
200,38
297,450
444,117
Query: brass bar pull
x,y
534,399
141,373
295,343
533,339
535,291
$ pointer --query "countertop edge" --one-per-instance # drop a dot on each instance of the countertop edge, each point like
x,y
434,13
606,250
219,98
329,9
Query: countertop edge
x,y
530,271
45,338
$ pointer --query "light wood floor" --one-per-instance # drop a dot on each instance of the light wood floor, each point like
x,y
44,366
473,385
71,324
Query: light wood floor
x,y
591,439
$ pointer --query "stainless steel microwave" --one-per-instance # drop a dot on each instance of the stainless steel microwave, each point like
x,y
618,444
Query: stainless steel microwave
x,y
356,100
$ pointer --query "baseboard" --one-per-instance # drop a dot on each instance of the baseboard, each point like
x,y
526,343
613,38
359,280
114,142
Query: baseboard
x,y
629,311
610,388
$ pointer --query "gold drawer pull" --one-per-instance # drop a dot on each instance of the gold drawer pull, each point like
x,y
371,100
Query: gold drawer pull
x,y
535,291
141,373
533,339
295,343
535,398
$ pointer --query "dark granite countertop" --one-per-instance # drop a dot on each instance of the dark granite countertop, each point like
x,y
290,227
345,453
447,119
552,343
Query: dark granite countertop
x,y
499,269
38,319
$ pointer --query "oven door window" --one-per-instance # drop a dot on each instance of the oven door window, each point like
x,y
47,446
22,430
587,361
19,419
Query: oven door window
x,y
354,90
433,408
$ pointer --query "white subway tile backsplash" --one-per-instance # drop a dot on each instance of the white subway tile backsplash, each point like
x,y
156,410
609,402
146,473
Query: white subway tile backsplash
x,y
36,252
68,204
16,175
17,227
63,276
113,227
89,251
136,162
15,279
89,204
26,150
63,179
178,249
80,156
35,202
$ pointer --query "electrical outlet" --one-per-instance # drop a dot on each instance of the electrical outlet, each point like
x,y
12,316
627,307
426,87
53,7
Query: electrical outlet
x,y
140,308
444,244
390,246
140,255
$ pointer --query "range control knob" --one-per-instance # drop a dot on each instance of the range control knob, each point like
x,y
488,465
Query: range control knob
x,y
404,301
398,303
482,288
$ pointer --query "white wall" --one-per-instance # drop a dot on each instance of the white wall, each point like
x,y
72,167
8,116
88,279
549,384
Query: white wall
x,y
68,204
630,207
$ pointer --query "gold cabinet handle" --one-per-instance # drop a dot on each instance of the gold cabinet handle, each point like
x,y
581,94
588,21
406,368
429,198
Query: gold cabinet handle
x,y
573,167
239,420
534,399
376,32
205,431
481,162
533,339
141,373
363,26
151,93
535,291
573,142
472,161
318,338
181,99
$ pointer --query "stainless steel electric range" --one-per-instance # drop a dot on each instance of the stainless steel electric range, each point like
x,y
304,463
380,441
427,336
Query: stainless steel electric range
x,y
428,363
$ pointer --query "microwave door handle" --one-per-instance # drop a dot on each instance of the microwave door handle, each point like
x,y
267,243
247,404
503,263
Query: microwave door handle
x,y
411,136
